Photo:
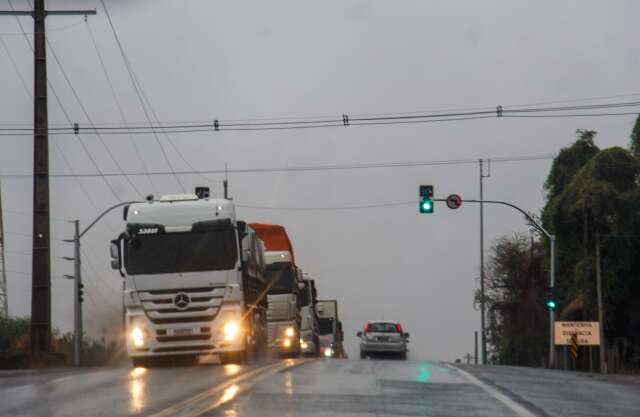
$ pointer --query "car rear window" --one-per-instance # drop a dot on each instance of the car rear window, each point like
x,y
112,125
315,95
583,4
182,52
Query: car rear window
x,y
382,328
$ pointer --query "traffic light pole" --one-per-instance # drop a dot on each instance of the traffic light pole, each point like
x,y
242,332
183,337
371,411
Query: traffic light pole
x,y
552,266
77,290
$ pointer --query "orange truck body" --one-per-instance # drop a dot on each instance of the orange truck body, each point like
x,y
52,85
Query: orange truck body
x,y
274,236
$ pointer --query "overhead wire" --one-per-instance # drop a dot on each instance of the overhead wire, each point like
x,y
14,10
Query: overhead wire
x,y
336,167
86,114
117,102
347,121
62,108
136,86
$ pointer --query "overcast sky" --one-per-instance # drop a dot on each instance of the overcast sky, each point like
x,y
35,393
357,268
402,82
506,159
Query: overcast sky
x,y
204,60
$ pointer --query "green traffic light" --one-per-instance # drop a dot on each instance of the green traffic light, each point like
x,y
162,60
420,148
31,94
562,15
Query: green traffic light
x,y
551,304
426,205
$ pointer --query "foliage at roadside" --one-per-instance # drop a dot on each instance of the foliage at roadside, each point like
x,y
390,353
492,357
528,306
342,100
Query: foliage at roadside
x,y
515,289
14,345
592,195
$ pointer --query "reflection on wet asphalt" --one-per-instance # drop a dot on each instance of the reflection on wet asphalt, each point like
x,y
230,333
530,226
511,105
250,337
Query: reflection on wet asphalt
x,y
377,388
108,392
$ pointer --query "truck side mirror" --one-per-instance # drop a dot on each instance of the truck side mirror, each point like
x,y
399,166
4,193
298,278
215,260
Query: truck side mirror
x,y
301,286
115,264
359,334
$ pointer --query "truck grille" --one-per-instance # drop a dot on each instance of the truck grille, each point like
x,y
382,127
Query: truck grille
x,y
203,305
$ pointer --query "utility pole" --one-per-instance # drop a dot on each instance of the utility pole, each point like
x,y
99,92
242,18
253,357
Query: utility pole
x,y
483,330
603,361
4,308
41,258
77,293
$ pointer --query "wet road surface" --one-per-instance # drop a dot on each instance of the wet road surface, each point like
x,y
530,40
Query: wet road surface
x,y
108,392
315,388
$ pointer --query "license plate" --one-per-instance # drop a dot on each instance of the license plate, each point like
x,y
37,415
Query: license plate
x,y
383,339
182,332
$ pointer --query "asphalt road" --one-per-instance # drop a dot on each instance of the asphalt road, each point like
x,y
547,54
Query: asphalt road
x,y
313,388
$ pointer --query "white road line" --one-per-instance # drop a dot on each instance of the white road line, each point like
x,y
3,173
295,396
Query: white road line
x,y
514,406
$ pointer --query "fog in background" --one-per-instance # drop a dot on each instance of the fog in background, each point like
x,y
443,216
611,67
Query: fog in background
x,y
204,60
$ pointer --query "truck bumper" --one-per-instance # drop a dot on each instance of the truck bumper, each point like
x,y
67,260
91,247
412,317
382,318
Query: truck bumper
x,y
145,338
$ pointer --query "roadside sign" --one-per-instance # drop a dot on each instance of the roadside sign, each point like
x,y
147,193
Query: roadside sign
x,y
454,201
587,333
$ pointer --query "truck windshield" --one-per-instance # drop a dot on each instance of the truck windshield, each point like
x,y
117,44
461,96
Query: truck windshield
x,y
210,250
325,325
282,275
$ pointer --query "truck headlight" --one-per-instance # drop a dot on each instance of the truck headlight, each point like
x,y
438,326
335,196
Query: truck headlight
x,y
287,343
289,332
137,336
231,330
328,352
303,344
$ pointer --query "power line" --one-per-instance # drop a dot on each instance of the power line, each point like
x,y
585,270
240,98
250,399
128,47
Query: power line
x,y
337,208
117,102
334,167
137,87
86,113
347,121
64,111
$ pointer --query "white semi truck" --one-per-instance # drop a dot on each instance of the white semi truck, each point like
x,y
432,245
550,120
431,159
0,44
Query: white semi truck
x,y
283,314
309,338
193,280
331,334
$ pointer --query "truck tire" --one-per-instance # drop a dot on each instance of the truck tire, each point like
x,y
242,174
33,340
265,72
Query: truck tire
x,y
403,356
363,355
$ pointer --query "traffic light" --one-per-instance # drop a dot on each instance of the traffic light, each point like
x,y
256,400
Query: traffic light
x,y
80,292
426,202
551,299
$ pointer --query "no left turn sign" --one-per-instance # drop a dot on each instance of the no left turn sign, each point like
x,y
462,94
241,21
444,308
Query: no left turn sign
x,y
454,201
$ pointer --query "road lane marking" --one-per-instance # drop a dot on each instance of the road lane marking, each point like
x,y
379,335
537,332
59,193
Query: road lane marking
x,y
512,405
226,391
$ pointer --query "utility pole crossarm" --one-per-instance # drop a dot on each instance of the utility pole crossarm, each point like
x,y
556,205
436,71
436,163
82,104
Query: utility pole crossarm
x,y
48,12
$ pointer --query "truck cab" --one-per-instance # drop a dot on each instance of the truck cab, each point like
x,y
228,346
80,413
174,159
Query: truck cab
x,y
283,314
330,329
193,281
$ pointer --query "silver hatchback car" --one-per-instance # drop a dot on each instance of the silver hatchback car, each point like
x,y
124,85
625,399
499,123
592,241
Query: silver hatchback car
x,y
383,338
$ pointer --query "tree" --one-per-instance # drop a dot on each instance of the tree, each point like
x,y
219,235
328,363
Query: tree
x,y
515,289
635,139
569,161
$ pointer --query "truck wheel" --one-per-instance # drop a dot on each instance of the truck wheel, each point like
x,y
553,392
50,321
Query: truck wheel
x,y
403,356
363,355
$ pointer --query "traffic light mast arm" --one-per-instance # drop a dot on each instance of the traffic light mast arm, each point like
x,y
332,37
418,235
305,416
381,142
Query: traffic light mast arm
x,y
504,203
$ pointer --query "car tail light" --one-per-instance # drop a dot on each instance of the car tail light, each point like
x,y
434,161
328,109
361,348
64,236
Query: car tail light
x,y
399,328
366,327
